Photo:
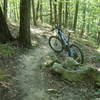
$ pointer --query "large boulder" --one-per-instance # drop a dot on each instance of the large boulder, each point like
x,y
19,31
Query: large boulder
x,y
81,74
69,69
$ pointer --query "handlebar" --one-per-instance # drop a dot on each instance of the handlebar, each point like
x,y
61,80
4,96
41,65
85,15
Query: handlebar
x,y
56,26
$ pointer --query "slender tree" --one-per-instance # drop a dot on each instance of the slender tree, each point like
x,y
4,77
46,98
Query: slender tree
x,y
76,15
60,12
83,19
98,37
63,19
37,9
41,17
55,11
66,14
98,33
51,12
34,14
24,32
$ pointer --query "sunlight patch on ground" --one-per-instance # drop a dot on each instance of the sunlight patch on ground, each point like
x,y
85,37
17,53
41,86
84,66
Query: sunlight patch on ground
x,y
37,30
98,49
35,43
14,23
98,69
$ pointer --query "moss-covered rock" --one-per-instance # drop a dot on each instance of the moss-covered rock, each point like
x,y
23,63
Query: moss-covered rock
x,y
83,73
66,74
70,69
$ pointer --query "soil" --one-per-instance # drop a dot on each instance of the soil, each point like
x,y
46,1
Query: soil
x,y
30,82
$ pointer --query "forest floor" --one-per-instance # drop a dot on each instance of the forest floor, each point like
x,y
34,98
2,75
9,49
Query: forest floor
x,y
34,83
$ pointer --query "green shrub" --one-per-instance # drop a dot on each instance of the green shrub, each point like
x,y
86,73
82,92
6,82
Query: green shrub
x,y
6,49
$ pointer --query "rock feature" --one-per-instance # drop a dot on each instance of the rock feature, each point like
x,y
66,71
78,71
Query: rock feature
x,y
70,69
81,74
47,60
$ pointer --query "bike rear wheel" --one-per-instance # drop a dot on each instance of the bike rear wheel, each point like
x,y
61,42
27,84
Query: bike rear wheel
x,y
76,53
56,44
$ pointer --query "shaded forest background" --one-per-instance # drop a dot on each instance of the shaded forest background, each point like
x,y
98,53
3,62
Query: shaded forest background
x,y
79,15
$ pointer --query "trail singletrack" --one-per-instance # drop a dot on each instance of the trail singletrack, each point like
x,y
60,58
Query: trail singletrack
x,y
31,80
29,75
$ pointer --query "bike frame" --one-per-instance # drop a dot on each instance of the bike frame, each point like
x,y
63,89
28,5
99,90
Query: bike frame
x,y
63,37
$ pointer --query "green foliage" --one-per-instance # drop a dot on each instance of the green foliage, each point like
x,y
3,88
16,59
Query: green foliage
x,y
7,50
88,43
98,59
91,19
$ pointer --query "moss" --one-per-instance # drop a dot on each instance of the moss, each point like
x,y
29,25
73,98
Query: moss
x,y
98,58
6,49
3,75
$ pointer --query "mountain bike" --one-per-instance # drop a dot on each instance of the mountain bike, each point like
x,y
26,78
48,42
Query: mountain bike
x,y
61,42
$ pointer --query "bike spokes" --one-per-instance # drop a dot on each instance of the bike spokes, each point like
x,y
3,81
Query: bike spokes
x,y
76,53
56,44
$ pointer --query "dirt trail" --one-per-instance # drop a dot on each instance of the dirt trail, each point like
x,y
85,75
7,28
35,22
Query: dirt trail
x,y
30,78
32,82
29,75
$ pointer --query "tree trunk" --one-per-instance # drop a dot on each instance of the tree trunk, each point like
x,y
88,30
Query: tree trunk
x,y
5,35
34,14
98,34
5,8
41,7
63,18
51,12
55,11
60,12
70,15
37,10
98,37
88,26
24,32
83,26
76,15
66,13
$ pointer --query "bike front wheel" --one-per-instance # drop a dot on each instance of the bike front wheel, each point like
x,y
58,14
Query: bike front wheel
x,y
76,53
56,44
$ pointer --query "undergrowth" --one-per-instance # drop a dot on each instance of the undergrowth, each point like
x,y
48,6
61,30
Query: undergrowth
x,y
3,75
6,49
